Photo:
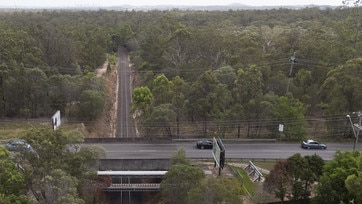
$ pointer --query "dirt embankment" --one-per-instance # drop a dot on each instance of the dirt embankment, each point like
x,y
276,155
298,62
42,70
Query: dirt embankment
x,y
105,125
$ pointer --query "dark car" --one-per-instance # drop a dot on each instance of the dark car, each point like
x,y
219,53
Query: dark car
x,y
18,145
312,144
204,144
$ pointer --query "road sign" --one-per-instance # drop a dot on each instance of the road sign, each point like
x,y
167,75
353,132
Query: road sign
x,y
56,120
216,152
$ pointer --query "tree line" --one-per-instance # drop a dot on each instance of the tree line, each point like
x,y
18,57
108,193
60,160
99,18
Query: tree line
x,y
207,73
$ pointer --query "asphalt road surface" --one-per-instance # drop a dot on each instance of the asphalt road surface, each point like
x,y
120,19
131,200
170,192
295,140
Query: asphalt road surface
x,y
125,125
233,151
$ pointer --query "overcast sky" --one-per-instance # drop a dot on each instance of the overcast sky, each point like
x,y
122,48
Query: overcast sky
x,y
101,3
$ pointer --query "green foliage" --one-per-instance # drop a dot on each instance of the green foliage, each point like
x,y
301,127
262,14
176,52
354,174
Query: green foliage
x,y
221,190
304,172
286,109
179,92
340,91
142,100
161,118
248,51
13,183
161,90
122,37
277,180
180,158
91,104
295,177
336,184
12,179
178,181
58,165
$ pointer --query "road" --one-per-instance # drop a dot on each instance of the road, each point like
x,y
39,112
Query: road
x,y
233,151
125,125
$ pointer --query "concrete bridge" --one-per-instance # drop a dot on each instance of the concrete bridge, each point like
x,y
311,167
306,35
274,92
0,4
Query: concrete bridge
x,y
131,180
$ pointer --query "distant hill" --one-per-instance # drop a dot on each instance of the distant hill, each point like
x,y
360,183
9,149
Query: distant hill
x,y
234,6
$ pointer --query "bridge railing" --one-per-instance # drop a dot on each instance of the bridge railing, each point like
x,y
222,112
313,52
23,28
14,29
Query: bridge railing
x,y
133,187
254,171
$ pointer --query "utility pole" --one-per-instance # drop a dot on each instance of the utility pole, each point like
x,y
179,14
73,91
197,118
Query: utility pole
x,y
355,127
292,61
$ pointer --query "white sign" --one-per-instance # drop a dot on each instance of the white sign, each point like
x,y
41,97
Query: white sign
x,y
56,120
281,127
216,152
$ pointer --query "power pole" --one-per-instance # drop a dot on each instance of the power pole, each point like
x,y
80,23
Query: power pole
x,y
355,127
292,62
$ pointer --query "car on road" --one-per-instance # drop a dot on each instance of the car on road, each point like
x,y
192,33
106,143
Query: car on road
x,y
312,144
204,144
18,145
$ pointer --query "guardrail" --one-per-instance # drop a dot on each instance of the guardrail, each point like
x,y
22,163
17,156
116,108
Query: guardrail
x,y
253,171
165,140
133,187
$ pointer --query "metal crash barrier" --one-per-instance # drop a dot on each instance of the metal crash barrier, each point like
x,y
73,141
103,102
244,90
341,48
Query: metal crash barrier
x,y
253,172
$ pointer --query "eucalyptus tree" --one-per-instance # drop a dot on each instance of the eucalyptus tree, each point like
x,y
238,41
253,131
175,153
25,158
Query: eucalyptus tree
x,y
91,104
37,93
226,75
179,180
277,180
154,42
180,92
340,94
305,90
290,112
208,48
251,48
122,36
64,91
177,54
16,92
355,23
142,106
204,99
94,42
248,89
161,121
161,90
58,48
18,46
13,182
354,182
294,178
142,101
59,167
335,184
303,173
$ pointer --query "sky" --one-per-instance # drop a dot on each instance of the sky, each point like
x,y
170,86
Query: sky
x,y
106,3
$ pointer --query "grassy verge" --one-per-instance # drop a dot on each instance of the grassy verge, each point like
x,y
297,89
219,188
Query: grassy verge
x,y
12,130
249,186
265,164
15,130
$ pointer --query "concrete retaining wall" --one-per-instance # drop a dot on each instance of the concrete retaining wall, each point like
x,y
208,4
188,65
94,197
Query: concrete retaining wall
x,y
134,164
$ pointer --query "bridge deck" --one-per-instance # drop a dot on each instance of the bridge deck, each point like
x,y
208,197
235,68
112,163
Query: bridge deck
x,y
133,187
131,173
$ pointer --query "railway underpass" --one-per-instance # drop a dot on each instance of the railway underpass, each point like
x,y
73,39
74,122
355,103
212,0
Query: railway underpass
x,y
130,186
133,180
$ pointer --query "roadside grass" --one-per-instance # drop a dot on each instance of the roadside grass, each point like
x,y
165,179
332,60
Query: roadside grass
x,y
265,164
10,131
249,187
13,130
